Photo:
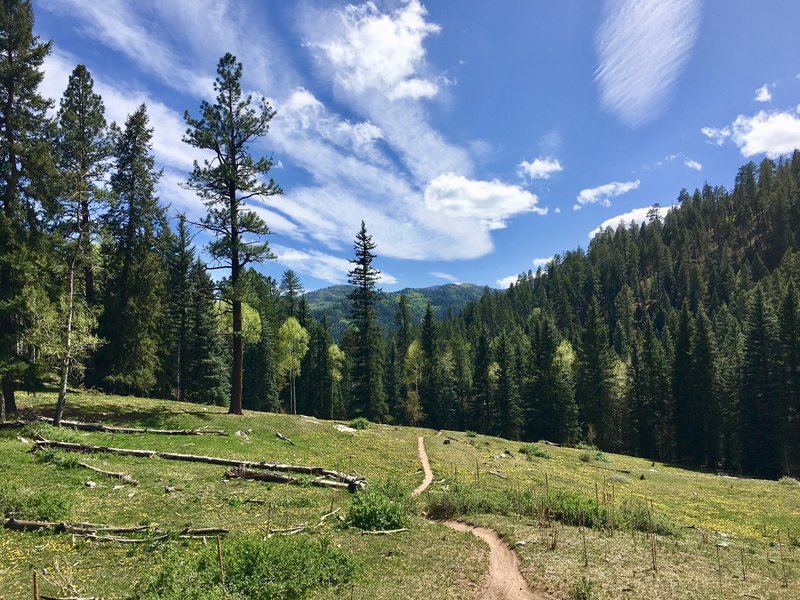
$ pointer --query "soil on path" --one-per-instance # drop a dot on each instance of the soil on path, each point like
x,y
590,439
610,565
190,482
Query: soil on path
x,y
505,582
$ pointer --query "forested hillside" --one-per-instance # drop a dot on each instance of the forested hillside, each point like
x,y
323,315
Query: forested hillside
x,y
676,339
333,303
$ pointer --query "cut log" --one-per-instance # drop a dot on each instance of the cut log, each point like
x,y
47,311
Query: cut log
x,y
284,438
384,531
497,474
12,424
353,481
41,597
111,474
271,477
76,528
626,471
102,427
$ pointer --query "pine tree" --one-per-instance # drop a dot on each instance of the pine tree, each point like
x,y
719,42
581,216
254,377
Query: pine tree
x,y
226,181
706,442
508,414
26,179
207,380
594,377
482,385
790,347
129,363
367,375
762,406
291,290
686,413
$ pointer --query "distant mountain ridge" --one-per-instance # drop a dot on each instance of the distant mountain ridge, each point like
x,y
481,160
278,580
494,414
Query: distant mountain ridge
x,y
332,301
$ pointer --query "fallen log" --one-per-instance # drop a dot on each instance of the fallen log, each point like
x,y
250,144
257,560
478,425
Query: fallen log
x,y
497,474
41,597
12,424
284,438
243,473
76,528
384,531
626,471
102,427
352,480
110,474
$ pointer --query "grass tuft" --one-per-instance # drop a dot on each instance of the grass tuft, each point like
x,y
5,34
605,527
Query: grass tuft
x,y
531,450
359,423
384,505
22,502
281,567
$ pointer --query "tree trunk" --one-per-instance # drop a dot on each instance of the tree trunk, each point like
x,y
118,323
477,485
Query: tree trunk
x,y
238,360
9,400
67,359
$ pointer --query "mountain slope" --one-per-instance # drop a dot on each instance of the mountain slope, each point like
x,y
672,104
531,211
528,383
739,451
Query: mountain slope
x,y
332,302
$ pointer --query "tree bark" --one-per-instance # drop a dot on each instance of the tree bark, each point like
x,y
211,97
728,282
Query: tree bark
x,y
9,400
238,360
67,358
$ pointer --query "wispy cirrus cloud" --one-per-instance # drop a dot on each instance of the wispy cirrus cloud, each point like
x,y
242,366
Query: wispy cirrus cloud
x,y
539,168
320,265
774,133
445,276
642,47
602,194
637,215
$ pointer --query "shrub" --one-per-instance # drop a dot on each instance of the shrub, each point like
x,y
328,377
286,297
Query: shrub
x,y
48,432
619,478
384,505
788,481
590,454
582,589
359,423
52,456
37,505
460,499
471,433
280,567
530,450
637,515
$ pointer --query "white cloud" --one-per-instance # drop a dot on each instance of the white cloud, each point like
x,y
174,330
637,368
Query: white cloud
x,y
715,135
320,265
642,47
539,168
491,202
542,262
772,133
381,53
376,62
693,164
505,282
763,94
637,215
603,193
445,276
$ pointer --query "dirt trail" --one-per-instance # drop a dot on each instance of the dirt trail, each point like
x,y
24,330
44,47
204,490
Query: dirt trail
x,y
505,582
426,466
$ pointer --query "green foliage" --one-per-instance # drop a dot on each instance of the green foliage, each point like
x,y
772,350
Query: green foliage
x,y
280,567
582,589
459,499
359,423
51,456
385,505
22,502
470,433
786,480
531,450
48,432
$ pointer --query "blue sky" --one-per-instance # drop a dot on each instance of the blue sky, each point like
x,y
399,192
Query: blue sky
x,y
476,139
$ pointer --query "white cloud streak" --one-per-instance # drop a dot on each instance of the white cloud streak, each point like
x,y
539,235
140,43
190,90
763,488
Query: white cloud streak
x,y
320,265
693,164
445,276
539,168
542,262
642,46
602,194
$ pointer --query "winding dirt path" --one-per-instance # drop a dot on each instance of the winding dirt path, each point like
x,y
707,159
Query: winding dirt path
x,y
426,466
505,582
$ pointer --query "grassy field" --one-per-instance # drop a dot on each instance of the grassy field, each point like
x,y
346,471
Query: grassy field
x,y
720,523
